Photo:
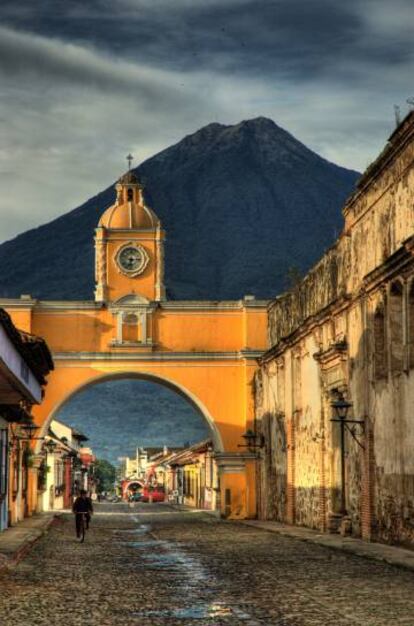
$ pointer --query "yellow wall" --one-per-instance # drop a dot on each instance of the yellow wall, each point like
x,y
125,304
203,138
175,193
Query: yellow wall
x,y
216,386
209,370
176,331
120,285
205,350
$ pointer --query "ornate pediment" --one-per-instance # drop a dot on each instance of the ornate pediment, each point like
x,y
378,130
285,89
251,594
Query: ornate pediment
x,y
132,300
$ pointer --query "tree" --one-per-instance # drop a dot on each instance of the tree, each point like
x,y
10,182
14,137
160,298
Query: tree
x,y
104,474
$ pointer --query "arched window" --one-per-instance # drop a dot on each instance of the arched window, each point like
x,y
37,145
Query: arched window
x,y
130,328
380,356
411,325
396,326
130,194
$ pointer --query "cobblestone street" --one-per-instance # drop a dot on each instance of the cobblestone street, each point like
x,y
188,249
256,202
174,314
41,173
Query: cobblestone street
x,y
151,566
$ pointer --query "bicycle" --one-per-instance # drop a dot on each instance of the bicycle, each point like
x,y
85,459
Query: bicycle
x,y
82,526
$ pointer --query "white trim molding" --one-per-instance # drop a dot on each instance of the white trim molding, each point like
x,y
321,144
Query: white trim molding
x,y
158,356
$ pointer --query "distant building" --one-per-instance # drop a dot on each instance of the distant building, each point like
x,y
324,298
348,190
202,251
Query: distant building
x,y
87,459
61,473
190,476
135,468
135,472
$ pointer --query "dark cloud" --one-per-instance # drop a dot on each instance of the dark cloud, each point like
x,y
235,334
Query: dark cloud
x,y
85,82
53,64
277,37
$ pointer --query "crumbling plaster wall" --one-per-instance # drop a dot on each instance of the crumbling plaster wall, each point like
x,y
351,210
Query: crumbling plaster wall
x,y
337,301
272,469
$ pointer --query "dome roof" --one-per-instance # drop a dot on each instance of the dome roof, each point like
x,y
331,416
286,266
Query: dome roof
x,y
129,216
129,212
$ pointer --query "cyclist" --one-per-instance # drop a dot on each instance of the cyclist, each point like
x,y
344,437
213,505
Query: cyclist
x,y
82,505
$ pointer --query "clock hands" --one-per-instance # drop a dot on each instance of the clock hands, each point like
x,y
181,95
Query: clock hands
x,y
131,259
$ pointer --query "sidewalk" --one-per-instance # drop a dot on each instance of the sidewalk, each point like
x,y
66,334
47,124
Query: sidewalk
x,y
16,541
392,555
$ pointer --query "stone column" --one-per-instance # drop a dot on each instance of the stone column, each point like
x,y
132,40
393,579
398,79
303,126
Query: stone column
x,y
100,265
37,461
368,521
290,491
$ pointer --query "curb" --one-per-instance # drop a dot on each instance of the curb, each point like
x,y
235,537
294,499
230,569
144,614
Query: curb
x,y
382,553
7,563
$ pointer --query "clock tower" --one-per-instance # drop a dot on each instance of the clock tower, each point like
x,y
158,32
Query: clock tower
x,y
129,260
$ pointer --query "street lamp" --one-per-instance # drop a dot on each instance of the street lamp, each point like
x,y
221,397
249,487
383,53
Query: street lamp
x,y
253,440
50,446
29,428
340,408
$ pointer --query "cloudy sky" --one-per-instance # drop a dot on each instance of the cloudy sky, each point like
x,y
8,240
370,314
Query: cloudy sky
x,y
83,82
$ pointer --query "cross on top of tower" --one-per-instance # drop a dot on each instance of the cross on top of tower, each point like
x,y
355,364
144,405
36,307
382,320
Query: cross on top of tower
x,y
129,158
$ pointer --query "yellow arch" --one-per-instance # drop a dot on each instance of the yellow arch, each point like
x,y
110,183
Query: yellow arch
x,y
128,374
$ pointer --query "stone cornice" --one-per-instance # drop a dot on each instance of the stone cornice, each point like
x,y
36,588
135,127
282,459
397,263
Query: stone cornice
x,y
229,462
158,356
176,305
337,350
305,328
191,305
398,140
396,264
122,231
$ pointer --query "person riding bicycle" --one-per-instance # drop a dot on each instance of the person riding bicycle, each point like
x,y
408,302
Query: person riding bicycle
x,y
82,505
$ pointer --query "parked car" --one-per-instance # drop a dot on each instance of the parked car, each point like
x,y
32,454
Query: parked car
x,y
155,493
135,497
113,498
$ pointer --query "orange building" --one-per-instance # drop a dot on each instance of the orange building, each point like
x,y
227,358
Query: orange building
x,y
205,351
191,476
25,360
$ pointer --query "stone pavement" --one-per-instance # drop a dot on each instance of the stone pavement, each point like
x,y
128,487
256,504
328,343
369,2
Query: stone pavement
x,y
16,541
149,565
393,555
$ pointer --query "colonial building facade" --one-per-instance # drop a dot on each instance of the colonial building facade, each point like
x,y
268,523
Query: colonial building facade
x,y
25,361
347,331
205,351
67,467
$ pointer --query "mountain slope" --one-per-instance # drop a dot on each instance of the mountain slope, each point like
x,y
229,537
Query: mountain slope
x,y
240,205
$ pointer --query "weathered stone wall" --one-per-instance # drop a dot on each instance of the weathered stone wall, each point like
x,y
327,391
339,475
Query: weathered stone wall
x,y
348,326
323,284
272,475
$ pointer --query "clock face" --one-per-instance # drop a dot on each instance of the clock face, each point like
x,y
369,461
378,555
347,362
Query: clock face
x,y
131,260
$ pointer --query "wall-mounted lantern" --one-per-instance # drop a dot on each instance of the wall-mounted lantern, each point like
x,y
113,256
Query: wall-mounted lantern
x,y
50,446
29,429
253,440
340,408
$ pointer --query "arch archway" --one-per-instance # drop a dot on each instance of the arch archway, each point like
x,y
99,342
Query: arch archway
x,y
205,350
176,388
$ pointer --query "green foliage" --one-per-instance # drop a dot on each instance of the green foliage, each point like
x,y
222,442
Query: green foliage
x,y
105,474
